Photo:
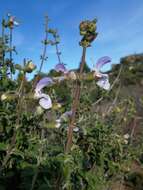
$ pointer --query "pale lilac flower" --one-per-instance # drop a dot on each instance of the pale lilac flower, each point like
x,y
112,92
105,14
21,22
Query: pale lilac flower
x,y
102,61
45,100
60,67
63,117
75,129
103,79
103,82
46,81
12,20
67,114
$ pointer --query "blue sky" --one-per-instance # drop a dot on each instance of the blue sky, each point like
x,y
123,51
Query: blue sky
x,y
120,28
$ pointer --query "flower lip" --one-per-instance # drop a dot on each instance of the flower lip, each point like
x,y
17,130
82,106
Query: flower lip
x,y
45,102
104,83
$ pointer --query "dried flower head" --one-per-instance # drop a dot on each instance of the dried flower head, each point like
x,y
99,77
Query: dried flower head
x,y
88,31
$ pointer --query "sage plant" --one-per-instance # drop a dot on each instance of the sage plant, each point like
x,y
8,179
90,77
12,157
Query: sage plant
x,y
88,31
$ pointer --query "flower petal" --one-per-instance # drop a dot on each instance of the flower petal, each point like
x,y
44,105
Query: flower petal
x,y
103,82
58,123
16,23
37,94
102,61
12,19
75,129
60,67
46,81
67,114
46,102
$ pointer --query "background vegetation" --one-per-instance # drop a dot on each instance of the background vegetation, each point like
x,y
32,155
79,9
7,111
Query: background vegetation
x,y
107,150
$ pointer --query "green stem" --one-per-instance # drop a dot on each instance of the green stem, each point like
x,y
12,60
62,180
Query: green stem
x,y
10,53
13,140
3,44
43,57
45,44
57,50
40,156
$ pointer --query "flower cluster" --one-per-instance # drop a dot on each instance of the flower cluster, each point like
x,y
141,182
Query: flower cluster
x,y
45,100
88,31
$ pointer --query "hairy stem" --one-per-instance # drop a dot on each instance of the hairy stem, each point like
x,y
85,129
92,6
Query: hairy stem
x,y
3,44
13,139
57,50
43,56
75,104
45,44
41,150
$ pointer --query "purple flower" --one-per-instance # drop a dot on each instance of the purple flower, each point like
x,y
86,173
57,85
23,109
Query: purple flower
x,y
103,79
60,67
45,100
64,117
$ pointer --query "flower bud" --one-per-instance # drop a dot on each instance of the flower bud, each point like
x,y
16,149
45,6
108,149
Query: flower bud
x,y
18,67
125,141
39,110
72,75
8,97
29,67
88,31
3,97
126,136
57,106
58,123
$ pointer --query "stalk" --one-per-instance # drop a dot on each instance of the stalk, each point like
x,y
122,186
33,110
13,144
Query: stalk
x,y
13,139
43,56
45,44
3,43
57,49
75,104
57,52
41,151
10,53
88,31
